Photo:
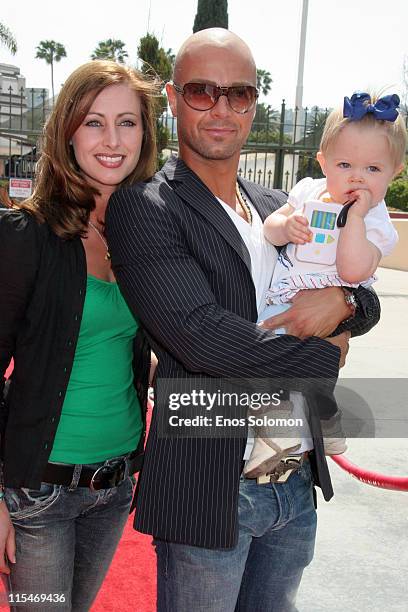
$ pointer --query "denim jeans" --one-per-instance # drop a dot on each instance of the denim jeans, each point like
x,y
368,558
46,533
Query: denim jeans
x,y
65,541
277,528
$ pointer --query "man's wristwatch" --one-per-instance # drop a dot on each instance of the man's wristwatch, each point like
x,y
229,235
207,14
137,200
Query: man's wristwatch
x,y
351,301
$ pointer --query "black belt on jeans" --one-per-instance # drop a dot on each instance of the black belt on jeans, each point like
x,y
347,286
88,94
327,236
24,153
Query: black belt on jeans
x,y
109,474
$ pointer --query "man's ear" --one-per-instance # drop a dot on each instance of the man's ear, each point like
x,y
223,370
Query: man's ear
x,y
321,159
172,98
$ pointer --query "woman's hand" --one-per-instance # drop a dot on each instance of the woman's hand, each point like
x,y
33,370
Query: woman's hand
x,y
7,539
314,312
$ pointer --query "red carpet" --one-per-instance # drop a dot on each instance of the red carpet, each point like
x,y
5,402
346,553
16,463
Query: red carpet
x,y
130,585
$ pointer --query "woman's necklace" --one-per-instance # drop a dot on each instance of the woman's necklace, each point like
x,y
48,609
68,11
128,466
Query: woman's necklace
x,y
243,204
107,256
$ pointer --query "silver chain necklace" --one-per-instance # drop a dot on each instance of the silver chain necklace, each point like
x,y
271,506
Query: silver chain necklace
x,y
107,256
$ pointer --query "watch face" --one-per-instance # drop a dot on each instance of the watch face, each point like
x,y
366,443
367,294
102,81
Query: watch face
x,y
351,301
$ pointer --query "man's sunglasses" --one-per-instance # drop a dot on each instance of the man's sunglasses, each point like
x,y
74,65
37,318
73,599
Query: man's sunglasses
x,y
203,96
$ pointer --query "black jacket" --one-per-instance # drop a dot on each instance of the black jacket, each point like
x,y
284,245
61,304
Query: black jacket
x,y
42,292
184,270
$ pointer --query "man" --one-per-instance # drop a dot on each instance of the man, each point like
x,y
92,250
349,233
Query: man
x,y
188,254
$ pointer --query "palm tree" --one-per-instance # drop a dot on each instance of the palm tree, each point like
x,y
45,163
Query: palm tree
x,y
111,49
315,125
263,81
7,39
51,52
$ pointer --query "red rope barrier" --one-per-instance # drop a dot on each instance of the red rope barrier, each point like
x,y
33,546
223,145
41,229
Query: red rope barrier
x,y
393,483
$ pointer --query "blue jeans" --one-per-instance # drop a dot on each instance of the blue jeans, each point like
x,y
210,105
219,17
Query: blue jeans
x,y
277,528
65,541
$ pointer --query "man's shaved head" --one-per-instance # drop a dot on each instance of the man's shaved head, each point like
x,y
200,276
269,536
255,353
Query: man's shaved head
x,y
213,38
220,58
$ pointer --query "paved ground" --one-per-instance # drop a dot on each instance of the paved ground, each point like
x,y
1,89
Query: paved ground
x,y
361,559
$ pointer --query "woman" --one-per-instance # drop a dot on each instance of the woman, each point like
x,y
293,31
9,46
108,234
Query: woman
x,y
73,422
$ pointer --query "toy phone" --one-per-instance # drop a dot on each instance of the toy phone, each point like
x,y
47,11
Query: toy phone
x,y
322,217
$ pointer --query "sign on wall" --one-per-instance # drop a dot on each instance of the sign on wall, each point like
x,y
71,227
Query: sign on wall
x,y
20,188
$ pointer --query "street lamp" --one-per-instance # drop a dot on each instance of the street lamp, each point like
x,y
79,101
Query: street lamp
x,y
301,62
298,114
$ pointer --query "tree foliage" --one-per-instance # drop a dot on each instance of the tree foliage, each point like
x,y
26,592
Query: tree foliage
x,y
315,125
155,60
397,194
266,115
308,166
211,14
263,81
51,52
266,126
7,39
110,49
158,63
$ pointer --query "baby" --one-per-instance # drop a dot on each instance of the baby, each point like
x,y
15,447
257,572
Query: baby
x,y
362,149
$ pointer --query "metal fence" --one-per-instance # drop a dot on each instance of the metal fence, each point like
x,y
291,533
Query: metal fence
x,y
280,150
281,147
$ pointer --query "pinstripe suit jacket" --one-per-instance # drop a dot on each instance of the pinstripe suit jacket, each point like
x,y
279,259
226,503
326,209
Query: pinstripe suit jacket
x,y
185,272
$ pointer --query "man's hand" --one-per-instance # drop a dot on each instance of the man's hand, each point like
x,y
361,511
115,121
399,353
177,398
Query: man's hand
x,y
7,539
296,228
315,312
342,341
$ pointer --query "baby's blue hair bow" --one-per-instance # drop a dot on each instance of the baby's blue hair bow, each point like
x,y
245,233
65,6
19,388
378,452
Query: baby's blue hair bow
x,y
359,105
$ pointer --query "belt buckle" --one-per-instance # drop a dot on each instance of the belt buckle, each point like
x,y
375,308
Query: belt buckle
x,y
282,471
104,469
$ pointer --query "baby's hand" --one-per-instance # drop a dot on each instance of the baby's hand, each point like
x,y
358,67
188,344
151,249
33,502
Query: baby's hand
x,y
296,229
363,202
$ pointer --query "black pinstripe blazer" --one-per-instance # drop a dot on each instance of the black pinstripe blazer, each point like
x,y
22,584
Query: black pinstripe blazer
x,y
185,272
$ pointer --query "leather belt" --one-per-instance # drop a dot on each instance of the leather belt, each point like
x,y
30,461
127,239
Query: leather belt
x,y
285,468
107,475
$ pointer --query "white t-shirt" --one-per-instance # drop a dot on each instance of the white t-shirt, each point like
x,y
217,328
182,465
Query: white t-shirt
x,y
291,275
263,254
263,260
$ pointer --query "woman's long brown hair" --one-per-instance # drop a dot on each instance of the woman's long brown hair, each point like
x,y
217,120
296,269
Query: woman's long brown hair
x,y
62,197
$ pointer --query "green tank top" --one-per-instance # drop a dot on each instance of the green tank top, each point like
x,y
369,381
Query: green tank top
x,y
101,416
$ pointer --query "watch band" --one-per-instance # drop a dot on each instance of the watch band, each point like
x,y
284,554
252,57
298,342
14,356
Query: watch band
x,y
350,300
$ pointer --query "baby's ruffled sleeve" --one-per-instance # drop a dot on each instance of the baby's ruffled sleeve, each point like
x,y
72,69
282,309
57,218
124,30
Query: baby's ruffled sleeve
x,y
300,192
